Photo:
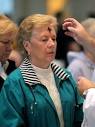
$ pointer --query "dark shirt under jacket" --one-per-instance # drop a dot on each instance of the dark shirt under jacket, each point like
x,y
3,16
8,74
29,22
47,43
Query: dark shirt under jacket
x,y
10,68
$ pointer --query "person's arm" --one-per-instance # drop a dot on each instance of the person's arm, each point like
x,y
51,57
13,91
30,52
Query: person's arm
x,y
84,84
74,29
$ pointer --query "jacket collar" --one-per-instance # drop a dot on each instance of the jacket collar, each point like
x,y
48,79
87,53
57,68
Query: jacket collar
x,y
30,76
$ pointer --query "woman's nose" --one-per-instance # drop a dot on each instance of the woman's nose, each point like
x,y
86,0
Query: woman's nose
x,y
51,42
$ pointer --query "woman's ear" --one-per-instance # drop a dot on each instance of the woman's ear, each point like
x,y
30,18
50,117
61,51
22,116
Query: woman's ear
x,y
26,45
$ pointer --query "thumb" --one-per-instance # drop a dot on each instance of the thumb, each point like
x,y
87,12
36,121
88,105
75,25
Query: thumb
x,y
72,29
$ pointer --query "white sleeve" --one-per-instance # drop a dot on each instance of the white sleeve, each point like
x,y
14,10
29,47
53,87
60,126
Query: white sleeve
x,y
89,108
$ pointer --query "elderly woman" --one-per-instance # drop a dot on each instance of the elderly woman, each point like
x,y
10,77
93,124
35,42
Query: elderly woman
x,y
39,93
8,30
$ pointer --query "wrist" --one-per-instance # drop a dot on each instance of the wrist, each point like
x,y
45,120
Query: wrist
x,y
89,91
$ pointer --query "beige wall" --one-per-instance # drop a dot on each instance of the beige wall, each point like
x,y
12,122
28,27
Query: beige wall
x,y
81,8
76,8
24,8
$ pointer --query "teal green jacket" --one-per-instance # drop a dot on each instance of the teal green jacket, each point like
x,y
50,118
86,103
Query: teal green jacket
x,y
25,102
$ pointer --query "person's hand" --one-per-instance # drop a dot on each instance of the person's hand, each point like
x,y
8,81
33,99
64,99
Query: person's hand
x,y
84,84
74,29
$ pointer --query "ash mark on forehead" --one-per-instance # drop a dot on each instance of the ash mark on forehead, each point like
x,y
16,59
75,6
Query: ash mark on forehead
x,y
49,29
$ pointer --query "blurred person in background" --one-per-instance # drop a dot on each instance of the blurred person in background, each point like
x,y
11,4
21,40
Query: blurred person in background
x,y
83,63
78,32
39,90
74,29
8,30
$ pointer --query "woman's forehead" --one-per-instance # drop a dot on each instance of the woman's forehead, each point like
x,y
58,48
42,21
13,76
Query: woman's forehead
x,y
44,29
8,35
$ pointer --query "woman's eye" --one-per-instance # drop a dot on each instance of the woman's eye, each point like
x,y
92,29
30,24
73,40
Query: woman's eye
x,y
45,40
54,39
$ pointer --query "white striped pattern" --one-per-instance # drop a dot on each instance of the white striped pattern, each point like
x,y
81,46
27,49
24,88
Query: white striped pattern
x,y
30,76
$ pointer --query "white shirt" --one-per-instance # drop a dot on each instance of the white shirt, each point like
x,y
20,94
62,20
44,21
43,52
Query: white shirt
x,y
89,109
47,78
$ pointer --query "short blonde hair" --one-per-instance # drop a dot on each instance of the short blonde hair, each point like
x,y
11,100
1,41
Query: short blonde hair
x,y
33,21
7,26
